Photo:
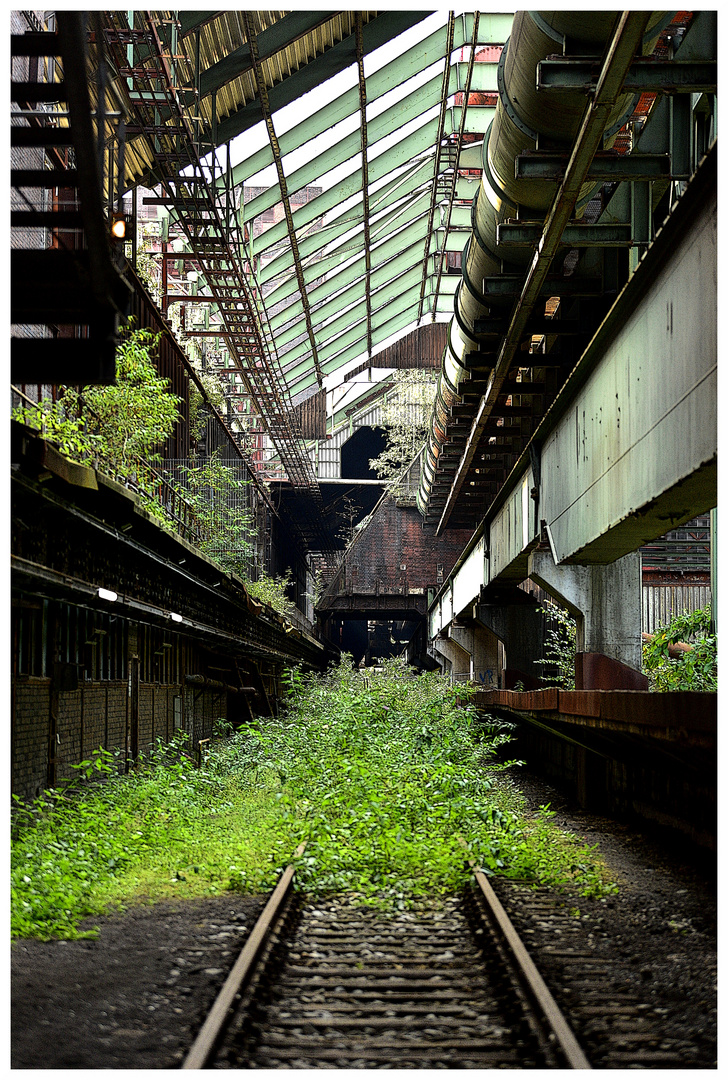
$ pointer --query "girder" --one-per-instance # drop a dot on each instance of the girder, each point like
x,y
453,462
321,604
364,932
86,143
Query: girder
x,y
350,238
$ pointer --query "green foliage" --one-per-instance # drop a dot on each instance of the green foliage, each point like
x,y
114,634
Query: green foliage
x,y
217,497
198,414
405,414
121,426
273,591
165,829
695,669
134,418
382,772
559,647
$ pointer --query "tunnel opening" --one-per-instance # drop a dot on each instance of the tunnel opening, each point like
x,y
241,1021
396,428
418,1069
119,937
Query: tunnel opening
x,y
364,444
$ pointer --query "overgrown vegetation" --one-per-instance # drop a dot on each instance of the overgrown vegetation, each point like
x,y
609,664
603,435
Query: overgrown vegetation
x,y
120,427
405,415
382,773
559,659
273,590
696,668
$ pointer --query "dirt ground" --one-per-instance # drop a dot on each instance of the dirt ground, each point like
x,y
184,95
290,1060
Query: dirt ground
x,y
135,997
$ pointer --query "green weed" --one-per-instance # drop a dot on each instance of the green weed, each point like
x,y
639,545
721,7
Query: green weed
x,y
385,774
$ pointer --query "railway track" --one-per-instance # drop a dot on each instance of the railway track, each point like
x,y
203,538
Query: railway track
x,y
617,1017
336,984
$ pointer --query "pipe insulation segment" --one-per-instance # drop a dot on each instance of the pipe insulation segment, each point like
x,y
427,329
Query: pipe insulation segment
x,y
525,119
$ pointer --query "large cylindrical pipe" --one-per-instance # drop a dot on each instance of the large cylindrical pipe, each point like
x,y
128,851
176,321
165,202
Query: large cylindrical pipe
x,y
524,120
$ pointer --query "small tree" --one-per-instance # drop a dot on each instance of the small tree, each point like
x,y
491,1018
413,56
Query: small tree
x,y
696,668
120,426
559,647
405,416
133,419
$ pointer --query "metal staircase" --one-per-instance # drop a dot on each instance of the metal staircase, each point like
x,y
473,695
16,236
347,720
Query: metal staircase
x,y
67,294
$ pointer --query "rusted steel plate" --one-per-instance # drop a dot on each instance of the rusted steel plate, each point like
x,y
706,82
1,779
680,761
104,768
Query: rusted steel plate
x,y
686,710
580,702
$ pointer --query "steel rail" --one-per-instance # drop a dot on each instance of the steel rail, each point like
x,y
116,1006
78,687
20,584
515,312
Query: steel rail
x,y
596,117
458,148
537,988
438,155
282,183
241,972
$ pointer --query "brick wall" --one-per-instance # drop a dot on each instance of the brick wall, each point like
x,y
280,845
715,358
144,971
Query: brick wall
x,y
95,715
30,724
394,553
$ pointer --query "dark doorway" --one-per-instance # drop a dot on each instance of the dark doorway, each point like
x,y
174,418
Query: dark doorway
x,y
364,444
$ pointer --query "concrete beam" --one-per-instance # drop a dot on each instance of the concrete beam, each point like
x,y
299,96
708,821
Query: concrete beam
x,y
515,619
635,454
605,600
482,649
628,450
456,658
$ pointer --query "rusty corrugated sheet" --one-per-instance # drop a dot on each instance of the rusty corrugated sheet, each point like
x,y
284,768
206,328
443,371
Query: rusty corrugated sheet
x,y
423,348
661,603
311,415
219,37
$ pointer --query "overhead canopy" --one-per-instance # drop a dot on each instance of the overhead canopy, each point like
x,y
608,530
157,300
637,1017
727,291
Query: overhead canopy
x,y
356,182
361,259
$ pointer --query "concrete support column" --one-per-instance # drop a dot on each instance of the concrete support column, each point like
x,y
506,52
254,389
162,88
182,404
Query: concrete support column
x,y
605,600
482,648
512,616
456,660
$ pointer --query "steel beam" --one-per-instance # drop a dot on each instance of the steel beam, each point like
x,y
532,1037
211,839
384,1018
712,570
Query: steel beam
x,y
607,166
434,196
528,234
381,82
386,123
282,183
454,180
413,145
511,285
408,238
377,32
625,42
628,449
660,76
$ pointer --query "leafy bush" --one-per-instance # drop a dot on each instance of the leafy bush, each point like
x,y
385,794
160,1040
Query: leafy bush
x,y
381,772
273,590
696,668
165,829
118,426
385,771
559,647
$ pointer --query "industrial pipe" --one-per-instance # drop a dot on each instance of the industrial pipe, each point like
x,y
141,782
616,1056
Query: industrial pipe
x,y
525,119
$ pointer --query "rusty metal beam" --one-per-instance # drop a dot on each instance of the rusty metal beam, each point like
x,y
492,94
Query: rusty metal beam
x,y
364,174
458,147
264,101
438,154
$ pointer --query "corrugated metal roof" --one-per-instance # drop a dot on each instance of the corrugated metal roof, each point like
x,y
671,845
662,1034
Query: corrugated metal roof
x,y
363,259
